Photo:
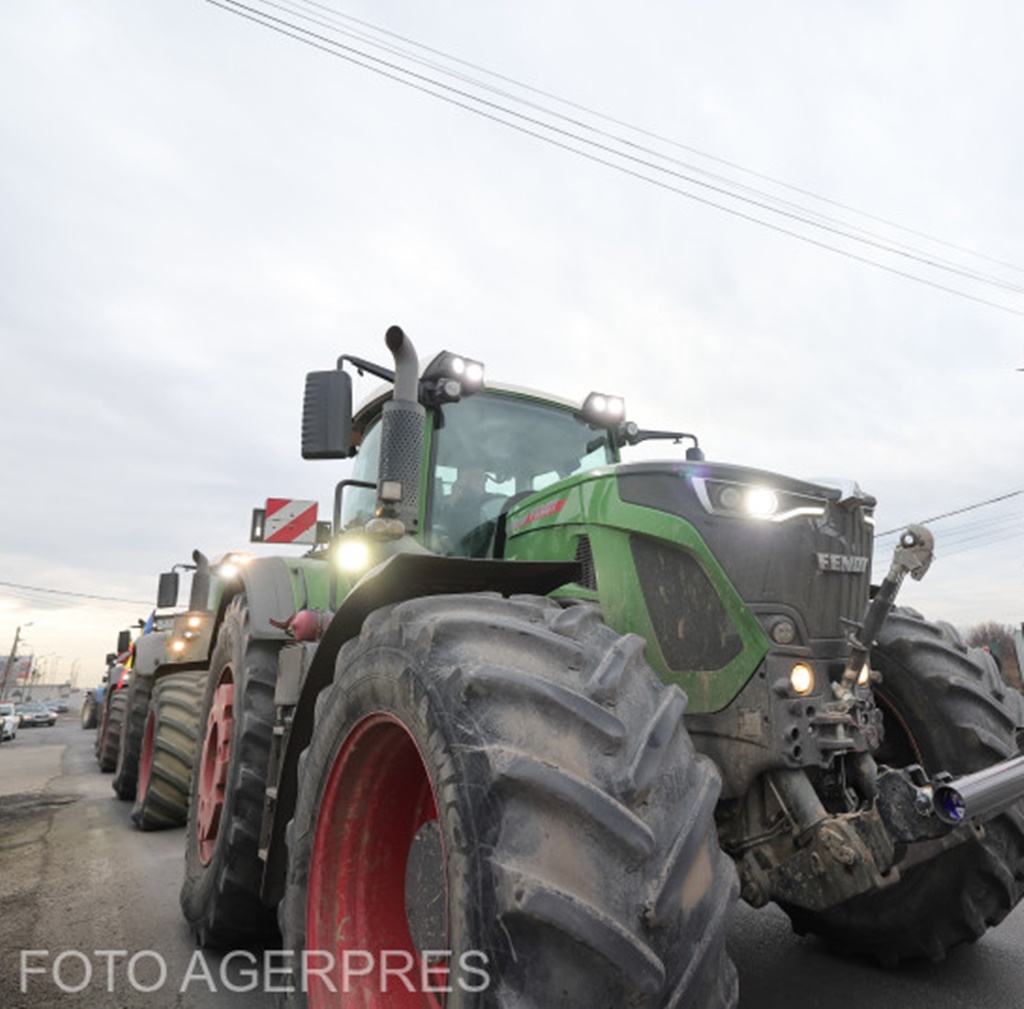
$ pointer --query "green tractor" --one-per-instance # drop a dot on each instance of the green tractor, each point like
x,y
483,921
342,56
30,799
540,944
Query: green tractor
x,y
534,719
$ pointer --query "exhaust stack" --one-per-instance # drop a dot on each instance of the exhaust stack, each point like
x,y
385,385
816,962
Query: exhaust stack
x,y
401,453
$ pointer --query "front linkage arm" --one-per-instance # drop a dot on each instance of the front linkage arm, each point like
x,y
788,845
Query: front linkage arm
x,y
913,555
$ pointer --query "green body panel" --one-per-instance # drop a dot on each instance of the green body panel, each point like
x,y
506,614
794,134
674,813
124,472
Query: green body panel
x,y
311,582
549,525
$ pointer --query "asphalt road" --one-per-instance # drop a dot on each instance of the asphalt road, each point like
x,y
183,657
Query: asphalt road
x,y
76,878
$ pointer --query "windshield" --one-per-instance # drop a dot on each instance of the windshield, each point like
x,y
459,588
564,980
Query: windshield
x,y
359,502
488,448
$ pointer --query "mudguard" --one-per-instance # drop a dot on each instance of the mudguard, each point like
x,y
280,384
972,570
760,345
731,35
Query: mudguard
x,y
150,651
401,577
277,587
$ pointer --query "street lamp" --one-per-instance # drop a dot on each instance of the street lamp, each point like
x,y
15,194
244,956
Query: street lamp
x,y
10,660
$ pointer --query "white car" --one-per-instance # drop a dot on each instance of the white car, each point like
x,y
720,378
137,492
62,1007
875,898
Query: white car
x,y
8,721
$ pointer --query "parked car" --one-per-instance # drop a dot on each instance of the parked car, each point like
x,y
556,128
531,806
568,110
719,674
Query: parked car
x,y
57,706
9,721
33,713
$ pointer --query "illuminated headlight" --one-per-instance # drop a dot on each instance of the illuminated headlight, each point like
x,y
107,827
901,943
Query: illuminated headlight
x,y
469,373
801,678
602,410
760,502
178,645
232,564
756,501
353,556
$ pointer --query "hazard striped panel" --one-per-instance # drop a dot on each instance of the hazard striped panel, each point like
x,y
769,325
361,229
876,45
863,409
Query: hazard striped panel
x,y
289,521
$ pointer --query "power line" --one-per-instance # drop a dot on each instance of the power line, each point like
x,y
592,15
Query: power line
x,y
290,5
76,595
652,134
955,511
565,138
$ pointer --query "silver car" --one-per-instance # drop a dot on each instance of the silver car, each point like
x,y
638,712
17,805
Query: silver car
x,y
8,721
32,713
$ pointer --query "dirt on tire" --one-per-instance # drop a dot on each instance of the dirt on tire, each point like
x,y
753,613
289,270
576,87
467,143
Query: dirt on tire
x,y
576,821
168,751
110,734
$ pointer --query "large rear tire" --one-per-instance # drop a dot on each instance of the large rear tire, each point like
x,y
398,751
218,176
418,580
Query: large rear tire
x,y
167,752
506,785
945,707
126,770
220,893
110,736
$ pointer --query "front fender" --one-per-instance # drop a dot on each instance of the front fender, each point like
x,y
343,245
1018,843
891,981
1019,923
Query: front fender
x,y
403,576
276,588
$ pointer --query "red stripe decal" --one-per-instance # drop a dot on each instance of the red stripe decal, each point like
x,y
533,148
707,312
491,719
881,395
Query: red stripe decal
x,y
540,512
295,528
275,504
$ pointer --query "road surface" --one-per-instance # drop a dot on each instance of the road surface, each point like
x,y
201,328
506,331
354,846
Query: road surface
x,y
76,878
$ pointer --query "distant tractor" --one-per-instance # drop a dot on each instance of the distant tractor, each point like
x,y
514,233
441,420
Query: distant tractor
x,y
90,706
110,703
453,740
168,670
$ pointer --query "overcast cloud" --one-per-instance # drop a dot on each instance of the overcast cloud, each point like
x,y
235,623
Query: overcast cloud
x,y
195,211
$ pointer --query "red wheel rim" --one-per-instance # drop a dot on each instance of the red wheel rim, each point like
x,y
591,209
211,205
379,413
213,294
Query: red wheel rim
x,y
146,757
213,766
377,798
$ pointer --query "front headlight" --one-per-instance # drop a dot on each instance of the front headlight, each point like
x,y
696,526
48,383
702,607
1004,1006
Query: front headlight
x,y
352,555
755,501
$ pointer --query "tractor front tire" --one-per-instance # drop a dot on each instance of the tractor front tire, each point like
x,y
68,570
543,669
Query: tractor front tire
x,y
945,707
168,749
126,770
501,797
220,895
109,741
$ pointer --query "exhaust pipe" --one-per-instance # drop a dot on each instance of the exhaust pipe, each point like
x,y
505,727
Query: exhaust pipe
x,y
401,450
199,597
407,365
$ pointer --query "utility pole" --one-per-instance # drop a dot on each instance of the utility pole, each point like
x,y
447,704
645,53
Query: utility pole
x,y
10,661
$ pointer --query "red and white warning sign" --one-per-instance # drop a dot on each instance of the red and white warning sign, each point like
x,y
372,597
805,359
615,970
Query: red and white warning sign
x,y
289,521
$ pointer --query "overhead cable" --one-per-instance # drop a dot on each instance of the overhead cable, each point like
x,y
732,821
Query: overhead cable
x,y
611,151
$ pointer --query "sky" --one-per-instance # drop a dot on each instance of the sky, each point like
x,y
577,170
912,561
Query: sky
x,y
196,210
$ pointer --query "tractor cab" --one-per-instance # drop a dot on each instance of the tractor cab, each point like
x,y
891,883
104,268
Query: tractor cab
x,y
481,454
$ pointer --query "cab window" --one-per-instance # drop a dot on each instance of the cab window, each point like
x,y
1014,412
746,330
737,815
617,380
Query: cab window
x,y
488,448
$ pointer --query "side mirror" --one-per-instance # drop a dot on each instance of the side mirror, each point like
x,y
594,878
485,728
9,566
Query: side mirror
x,y
327,415
124,642
167,590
